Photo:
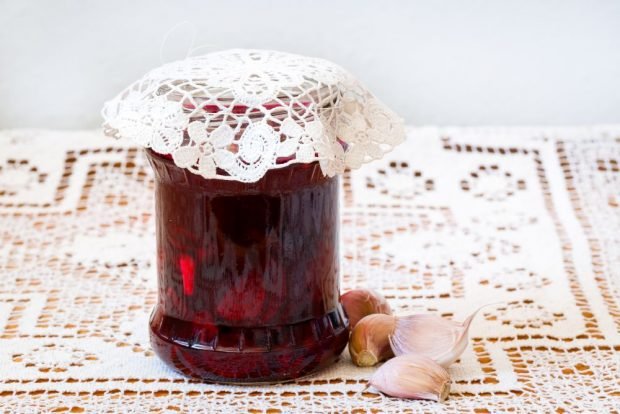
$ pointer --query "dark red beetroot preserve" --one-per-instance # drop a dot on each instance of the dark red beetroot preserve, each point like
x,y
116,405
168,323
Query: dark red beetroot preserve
x,y
248,274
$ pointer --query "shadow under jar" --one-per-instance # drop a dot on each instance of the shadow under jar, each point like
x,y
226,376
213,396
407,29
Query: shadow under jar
x,y
248,274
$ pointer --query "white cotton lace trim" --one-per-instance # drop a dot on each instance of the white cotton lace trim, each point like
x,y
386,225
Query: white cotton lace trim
x,y
236,114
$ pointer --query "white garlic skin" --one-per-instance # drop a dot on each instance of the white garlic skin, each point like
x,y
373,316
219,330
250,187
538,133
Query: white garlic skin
x,y
432,336
413,377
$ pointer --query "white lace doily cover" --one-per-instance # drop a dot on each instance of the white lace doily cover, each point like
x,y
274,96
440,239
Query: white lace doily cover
x,y
236,114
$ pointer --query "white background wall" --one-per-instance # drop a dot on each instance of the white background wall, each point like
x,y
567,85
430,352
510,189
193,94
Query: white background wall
x,y
445,62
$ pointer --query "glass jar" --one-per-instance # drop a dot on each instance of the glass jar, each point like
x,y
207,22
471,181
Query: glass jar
x,y
248,273
243,143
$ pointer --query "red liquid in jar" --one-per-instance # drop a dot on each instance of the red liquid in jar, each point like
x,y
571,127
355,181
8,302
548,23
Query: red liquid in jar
x,y
248,274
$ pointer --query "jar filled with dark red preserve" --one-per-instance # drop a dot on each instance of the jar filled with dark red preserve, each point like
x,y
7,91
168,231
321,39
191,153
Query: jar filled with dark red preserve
x,y
246,147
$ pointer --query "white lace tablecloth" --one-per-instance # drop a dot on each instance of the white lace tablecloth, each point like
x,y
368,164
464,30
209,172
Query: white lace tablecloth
x,y
453,219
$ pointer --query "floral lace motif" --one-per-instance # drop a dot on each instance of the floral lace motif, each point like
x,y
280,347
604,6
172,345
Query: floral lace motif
x,y
236,114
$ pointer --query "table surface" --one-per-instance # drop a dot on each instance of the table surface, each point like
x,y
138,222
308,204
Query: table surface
x,y
453,219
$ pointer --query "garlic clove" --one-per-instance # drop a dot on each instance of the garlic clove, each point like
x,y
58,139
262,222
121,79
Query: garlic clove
x,y
358,303
432,336
369,343
412,376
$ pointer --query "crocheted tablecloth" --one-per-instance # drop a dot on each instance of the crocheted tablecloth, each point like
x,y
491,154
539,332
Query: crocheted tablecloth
x,y
451,220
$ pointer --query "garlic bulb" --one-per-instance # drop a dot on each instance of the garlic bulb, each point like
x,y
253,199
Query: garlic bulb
x,y
412,376
369,342
358,303
432,336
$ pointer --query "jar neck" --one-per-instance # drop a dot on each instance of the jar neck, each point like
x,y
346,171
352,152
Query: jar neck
x,y
293,177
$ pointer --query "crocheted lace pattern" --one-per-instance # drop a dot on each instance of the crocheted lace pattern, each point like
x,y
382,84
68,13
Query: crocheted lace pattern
x,y
455,219
235,114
